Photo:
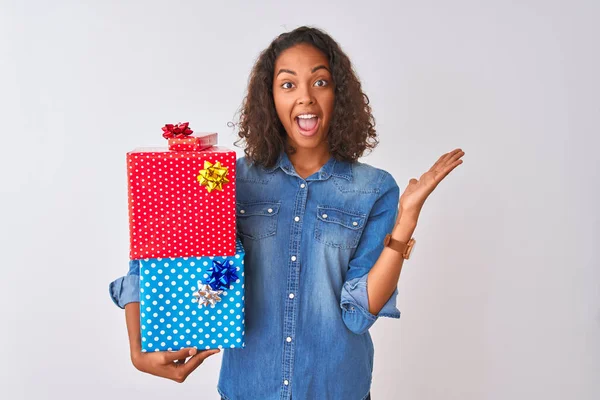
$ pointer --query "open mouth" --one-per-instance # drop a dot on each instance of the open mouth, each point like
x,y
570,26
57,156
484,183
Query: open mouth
x,y
308,124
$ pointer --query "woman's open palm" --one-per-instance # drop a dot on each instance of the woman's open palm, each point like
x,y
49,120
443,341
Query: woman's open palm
x,y
417,191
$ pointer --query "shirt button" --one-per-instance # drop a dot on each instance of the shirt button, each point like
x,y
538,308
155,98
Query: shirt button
x,y
242,211
297,219
270,210
302,185
286,382
291,295
354,223
288,339
293,258
324,215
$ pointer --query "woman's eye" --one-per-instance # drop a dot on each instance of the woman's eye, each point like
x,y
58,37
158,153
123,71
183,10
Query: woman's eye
x,y
321,82
287,85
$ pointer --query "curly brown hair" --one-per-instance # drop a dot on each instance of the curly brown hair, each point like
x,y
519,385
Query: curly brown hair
x,y
352,128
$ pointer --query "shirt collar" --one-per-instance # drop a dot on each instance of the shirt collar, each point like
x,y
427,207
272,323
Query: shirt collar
x,y
333,167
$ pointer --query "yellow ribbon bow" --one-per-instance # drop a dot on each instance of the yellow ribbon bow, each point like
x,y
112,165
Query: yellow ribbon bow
x,y
213,176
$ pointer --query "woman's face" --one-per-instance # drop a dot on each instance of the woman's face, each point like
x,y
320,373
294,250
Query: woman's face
x,y
304,95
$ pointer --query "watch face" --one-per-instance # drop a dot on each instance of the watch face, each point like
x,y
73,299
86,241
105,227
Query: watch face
x,y
411,246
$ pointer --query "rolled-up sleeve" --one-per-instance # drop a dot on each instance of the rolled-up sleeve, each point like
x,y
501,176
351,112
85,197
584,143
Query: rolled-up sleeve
x,y
354,300
126,289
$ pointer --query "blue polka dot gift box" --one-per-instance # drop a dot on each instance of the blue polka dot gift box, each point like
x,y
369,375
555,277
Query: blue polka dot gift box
x,y
192,302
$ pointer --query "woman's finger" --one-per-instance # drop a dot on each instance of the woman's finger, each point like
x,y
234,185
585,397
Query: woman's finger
x,y
447,169
458,154
451,156
449,160
444,159
182,354
196,360
438,162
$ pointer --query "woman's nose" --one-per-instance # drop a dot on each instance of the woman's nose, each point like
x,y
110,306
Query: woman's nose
x,y
305,97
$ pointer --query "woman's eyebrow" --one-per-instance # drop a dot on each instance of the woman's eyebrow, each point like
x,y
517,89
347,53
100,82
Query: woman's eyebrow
x,y
318,67
289,71
315,69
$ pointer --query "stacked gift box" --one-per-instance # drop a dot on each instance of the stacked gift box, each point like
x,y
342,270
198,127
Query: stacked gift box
x,y
182,229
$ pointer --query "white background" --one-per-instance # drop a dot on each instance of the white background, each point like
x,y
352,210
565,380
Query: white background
x,y
501,299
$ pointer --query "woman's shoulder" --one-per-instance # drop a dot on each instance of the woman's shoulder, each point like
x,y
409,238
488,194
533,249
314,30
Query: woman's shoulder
x,y
247,170
243,166
369,171
368,178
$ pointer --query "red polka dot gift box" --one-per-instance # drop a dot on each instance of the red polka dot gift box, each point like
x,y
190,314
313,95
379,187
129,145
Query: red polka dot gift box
x,y
181,202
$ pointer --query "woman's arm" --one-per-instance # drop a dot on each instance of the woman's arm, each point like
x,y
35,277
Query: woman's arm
x,y
166,364
171,365
132,319
383,277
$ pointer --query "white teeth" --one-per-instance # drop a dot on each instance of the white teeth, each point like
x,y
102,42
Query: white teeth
x,y
307,116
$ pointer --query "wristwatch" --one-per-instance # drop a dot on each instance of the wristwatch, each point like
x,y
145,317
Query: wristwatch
x,y
403,248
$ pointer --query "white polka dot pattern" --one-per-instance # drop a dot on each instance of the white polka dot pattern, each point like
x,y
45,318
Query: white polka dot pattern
x,y
170,318
193,143
170,213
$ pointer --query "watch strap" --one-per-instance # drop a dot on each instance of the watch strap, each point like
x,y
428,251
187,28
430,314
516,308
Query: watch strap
x,y
400,247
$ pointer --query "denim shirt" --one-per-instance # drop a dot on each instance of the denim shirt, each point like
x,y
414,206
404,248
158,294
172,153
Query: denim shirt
x,y
309,245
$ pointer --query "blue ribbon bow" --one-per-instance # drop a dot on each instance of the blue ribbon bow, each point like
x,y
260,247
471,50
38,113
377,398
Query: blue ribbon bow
x,y
221,275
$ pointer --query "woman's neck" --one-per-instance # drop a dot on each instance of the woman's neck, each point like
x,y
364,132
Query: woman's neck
x,y
308,161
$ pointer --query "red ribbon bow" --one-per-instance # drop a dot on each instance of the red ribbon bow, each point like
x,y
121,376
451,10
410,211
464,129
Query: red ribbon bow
x,y
180,130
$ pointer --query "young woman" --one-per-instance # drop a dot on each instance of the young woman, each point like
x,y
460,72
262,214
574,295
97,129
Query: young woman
x,y
313,221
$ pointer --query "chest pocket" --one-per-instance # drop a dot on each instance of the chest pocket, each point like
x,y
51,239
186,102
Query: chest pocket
x,y
339,228
257,220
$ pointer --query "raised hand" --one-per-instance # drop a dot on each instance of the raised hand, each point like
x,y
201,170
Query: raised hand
x,y
417,191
